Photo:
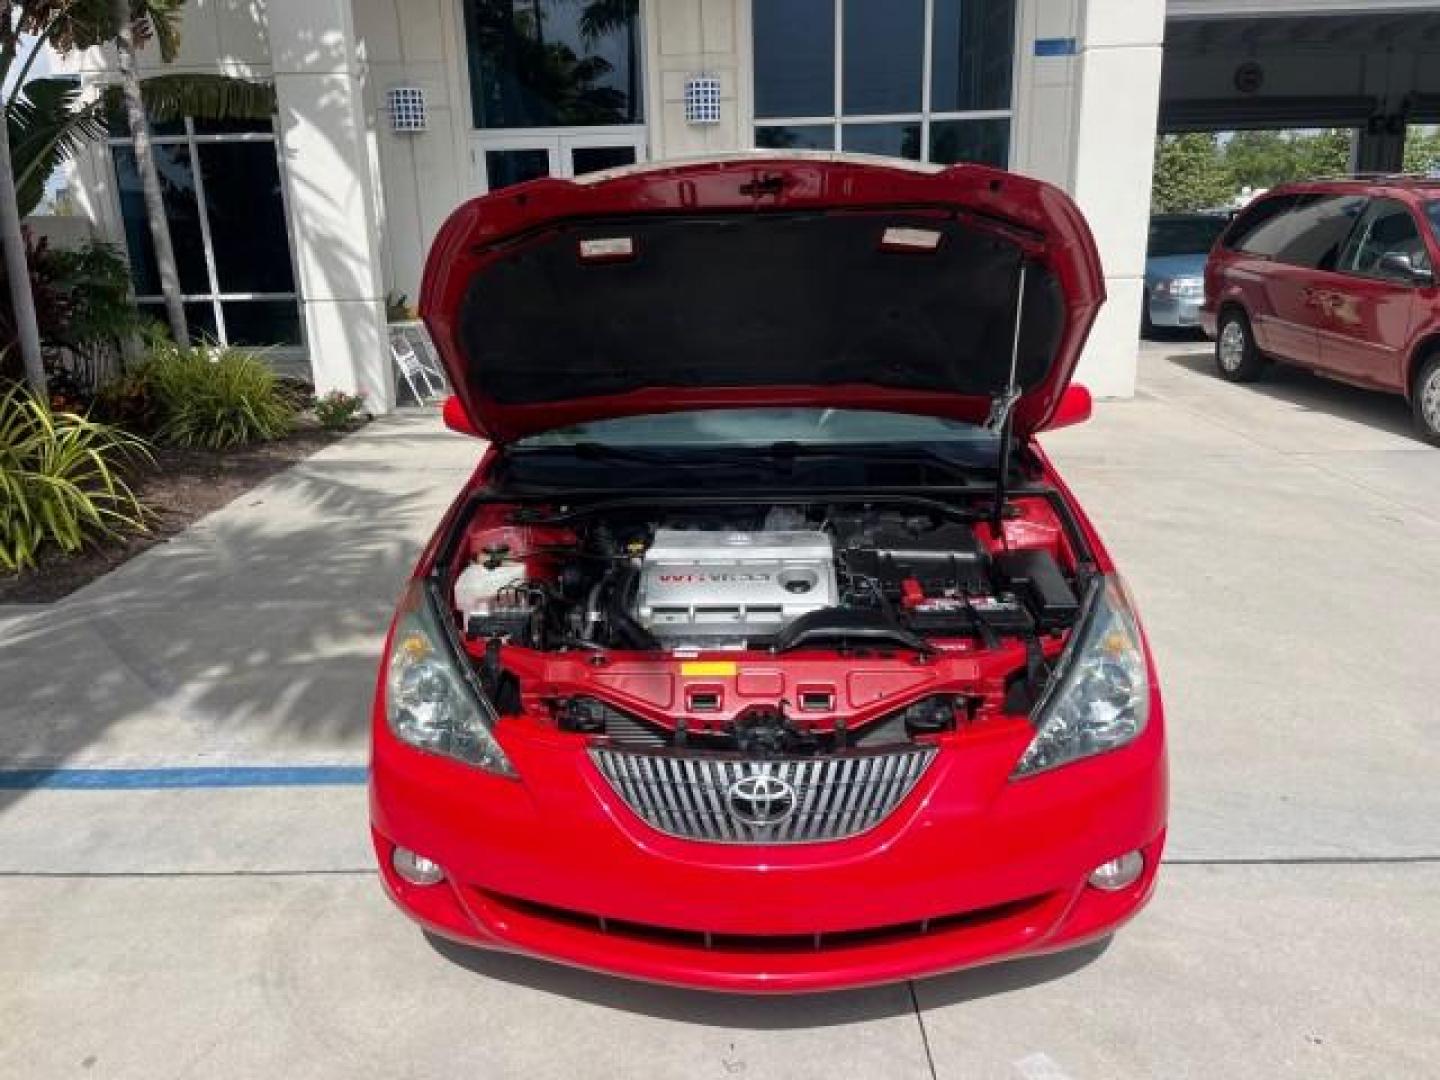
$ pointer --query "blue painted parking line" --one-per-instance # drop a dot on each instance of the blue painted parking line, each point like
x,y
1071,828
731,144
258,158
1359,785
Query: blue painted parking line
x,y
193,777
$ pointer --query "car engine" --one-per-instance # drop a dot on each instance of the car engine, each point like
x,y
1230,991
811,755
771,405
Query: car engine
x,y
706,588
796,627
739,577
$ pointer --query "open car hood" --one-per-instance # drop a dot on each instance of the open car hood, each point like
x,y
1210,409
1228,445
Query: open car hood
x,y
762,280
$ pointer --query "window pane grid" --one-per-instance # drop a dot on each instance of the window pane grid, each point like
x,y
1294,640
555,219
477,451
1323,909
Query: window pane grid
x,y
205,310
884,118
207,297
973,87
200,138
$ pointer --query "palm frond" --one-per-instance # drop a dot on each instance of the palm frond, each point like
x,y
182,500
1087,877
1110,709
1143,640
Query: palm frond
x,y
159,20
76,25
205,96
600,18
48,125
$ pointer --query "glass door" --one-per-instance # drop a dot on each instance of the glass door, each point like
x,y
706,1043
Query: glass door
x,y
593,151
505,158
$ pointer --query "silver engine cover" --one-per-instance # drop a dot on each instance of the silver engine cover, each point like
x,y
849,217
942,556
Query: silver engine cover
x,y
722,588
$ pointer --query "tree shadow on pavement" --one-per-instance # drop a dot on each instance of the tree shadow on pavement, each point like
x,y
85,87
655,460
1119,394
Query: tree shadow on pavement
x,y
760,1011
251,638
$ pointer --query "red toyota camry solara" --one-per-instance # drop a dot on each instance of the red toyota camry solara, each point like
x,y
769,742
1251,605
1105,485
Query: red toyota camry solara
x,y
765,650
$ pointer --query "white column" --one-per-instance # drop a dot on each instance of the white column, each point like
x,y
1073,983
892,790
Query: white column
x,y
318,73
1117,106
692,37
1047,66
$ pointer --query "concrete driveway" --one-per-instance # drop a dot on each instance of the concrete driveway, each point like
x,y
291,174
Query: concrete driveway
x,y
1282,540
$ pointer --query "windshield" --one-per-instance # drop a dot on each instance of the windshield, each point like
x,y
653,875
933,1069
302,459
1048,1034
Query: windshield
x,y
1193,235
1432,212
761,428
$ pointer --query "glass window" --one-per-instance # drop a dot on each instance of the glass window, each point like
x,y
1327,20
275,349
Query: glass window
x,y
232,127
553,63
1387,244
984,141
799,137
971,54
1316,229
1303,230
794,57
117,126
199,319
763,427
878,66
1184,234
247,217
506,167
177,187
883,56
587,159
892,140
1258,224
228,227
262,322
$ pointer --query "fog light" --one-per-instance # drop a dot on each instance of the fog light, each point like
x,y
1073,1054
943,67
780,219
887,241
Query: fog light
x,y
416,869
1118,873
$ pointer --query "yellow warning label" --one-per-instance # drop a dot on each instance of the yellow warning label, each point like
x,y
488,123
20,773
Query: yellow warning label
x,y
708,667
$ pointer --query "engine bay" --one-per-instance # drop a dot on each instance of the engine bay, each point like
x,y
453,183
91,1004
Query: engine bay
x,y
785,627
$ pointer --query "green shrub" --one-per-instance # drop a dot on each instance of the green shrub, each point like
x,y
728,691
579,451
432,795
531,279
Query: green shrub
x,y
85,315
128,401
215,399
60,480
337,410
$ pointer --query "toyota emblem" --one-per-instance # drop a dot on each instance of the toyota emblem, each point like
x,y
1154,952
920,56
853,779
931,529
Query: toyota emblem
x,y
760,800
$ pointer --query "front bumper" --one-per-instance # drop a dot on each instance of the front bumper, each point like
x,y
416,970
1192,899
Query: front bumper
x,y
1182,312
968,870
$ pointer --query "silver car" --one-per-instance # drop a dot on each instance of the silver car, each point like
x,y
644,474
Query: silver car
x,y
1175,268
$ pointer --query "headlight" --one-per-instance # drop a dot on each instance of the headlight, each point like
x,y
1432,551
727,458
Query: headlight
x,y
1099,699
431,701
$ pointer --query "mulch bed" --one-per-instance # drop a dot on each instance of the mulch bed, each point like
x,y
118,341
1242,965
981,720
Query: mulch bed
x,y
183,485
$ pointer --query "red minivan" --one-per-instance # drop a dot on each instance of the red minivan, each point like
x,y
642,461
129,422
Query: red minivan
x,y
1336,276
765,650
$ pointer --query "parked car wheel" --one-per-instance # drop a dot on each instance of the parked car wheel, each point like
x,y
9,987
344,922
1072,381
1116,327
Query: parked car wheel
x,y
1425,401
1236,356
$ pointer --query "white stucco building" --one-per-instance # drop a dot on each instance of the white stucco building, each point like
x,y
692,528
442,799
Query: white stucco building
x,y
292,235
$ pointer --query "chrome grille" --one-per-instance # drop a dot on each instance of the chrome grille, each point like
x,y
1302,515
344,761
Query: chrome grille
x,y
695,795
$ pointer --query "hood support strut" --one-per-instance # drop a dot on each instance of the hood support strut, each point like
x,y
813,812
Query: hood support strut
x,y
1002,414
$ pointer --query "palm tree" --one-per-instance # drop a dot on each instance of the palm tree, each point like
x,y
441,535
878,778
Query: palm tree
x,y
213,96
46,123
160,18
18,21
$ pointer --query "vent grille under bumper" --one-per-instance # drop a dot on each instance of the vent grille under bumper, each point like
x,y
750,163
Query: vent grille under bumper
x,y
1030,911
729,799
